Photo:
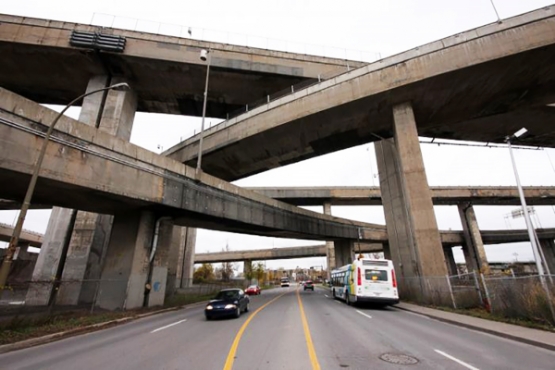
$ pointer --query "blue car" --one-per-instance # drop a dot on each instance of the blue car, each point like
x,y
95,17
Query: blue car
x,y
228,302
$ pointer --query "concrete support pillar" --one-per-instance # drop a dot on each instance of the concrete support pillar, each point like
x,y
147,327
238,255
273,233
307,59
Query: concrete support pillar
x,y
548,249
112,112
344,251
450,261
330,250
54,244
21,253
414,240
160,265
176,255
386,251
125,271
190,238
474,251
247,269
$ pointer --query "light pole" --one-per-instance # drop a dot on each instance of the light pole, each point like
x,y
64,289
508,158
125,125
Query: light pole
x,y
5,268
204,55
531,232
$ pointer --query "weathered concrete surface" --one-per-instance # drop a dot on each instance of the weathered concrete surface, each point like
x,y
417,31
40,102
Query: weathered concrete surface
x,y
473,249
26,237
441,195
165,71
97,172
504,67
414,240
277,253
330,249
548,249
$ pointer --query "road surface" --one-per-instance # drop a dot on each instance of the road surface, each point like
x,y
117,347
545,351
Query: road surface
x,y
285,329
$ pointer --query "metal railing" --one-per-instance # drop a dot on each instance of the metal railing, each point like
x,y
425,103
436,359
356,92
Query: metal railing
x,y
224,37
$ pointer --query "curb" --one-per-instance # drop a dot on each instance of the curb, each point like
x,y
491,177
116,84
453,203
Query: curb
x,y
90,328
484,330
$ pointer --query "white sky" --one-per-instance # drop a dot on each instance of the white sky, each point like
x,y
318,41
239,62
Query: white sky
x,y
357,30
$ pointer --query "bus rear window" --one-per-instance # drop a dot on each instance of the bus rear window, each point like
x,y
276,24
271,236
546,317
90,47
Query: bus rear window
x,y
376,275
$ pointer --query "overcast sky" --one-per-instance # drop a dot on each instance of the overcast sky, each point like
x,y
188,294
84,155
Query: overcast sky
x,y
360,30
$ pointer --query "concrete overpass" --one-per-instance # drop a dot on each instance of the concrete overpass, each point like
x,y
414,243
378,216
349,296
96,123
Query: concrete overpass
x,y
27,237
165,71
449,239
441,195
437,78
98,172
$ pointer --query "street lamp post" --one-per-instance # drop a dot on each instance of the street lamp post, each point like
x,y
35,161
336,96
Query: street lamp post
x,y
205,55
531,232
8,258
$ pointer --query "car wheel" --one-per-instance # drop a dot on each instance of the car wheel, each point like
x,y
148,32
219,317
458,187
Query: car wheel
x,y
247,307
238,312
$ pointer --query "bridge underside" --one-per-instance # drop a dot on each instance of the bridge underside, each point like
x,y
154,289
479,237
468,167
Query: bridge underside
x,y
481,90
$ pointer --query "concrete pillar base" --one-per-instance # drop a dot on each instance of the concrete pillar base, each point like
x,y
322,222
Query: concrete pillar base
x,y
548,249
344,252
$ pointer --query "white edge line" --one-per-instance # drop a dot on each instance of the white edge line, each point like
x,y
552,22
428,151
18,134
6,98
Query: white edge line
x,y
337,302
326,295
167,326
456,360
363,314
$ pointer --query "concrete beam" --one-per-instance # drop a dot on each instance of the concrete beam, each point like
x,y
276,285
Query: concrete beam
x,y
101,173
26,237
432,77
240,75
441,195
277,253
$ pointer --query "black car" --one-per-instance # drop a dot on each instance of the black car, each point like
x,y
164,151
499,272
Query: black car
x,y
228,302
309,285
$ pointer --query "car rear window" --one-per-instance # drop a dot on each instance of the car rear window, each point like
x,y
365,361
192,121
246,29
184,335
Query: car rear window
x,y
376,275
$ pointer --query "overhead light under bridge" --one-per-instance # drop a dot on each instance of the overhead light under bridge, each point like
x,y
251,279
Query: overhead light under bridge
x,y
97,41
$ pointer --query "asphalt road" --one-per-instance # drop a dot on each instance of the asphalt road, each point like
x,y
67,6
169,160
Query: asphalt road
x,y
284,330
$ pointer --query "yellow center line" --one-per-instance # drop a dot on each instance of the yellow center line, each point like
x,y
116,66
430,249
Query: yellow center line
x,y
231,355
308,338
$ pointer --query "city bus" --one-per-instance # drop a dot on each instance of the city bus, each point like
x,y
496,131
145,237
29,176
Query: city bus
x,y
366,280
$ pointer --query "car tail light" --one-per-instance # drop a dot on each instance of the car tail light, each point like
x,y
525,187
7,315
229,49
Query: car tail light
x,y
359,276
393,279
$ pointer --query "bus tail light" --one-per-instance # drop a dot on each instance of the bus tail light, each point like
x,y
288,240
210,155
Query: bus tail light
x,y
359,276
393,279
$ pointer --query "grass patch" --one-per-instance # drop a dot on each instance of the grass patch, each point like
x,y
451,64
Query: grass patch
x,y
21,328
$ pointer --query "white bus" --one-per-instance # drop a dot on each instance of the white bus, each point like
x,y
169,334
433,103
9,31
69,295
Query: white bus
x,y
366,280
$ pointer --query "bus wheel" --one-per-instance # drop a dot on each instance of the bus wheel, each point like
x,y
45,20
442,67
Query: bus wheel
x,y
347,300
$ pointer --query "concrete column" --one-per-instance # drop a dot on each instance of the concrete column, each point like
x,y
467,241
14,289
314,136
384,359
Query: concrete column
x,y
21,252
344,252
474,246
548,249
176,255
330,250
450,261
247,269
160,264
386,250
55,239
190,238
126,267
112,112
414,240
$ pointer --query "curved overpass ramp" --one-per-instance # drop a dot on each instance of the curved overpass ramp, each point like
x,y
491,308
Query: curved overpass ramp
x,y
479,85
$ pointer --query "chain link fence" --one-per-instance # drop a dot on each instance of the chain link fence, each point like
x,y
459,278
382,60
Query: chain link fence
x,y
517,297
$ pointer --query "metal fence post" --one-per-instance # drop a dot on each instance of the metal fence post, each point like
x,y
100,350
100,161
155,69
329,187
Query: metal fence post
x,y
488,299
478,288
451,291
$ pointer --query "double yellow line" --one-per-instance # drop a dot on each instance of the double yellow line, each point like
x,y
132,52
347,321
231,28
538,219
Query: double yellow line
x,y
311,352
